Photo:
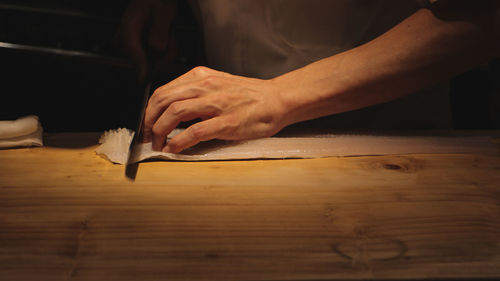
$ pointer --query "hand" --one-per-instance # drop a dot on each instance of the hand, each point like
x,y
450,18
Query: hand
x,y
149,20
230,107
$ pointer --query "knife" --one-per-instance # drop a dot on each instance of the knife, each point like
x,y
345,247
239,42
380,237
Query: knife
x,y
130,167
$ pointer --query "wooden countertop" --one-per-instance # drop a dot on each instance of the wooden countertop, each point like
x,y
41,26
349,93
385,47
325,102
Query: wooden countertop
x,y
67,214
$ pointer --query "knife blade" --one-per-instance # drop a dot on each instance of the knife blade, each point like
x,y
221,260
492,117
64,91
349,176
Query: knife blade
x,y
131,167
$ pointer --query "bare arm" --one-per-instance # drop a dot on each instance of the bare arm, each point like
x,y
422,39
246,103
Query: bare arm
x,y
417,53
423,49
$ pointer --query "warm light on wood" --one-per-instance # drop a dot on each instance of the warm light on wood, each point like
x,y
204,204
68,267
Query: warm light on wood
x,y
66,213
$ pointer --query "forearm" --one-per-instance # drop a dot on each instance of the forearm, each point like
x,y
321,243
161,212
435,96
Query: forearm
x,y
420,51
417,53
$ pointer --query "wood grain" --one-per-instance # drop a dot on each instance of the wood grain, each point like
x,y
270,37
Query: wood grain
x,y
67,214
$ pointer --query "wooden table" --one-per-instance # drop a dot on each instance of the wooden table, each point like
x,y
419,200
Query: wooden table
x,y
67,214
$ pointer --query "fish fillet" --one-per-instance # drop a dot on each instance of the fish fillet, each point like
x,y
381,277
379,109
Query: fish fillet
x,y
115,143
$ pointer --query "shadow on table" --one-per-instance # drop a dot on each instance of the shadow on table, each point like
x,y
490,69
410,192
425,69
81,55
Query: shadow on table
x,y
71,140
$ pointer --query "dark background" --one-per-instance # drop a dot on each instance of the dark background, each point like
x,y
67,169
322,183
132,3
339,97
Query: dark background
x,y
80,80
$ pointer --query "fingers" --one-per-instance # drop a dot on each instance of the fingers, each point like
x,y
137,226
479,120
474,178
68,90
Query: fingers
x,y
157,107
184,87
201,131
183,99
177,112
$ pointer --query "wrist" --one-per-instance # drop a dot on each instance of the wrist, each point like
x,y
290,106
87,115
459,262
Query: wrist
x,y
310,92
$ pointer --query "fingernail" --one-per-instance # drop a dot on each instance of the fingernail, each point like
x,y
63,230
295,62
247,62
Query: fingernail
x,y
167,149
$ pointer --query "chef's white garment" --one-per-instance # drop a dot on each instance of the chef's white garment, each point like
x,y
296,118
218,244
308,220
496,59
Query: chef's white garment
x,y
266,38
25,131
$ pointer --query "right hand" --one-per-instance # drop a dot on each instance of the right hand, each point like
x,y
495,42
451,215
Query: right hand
x,y
144,28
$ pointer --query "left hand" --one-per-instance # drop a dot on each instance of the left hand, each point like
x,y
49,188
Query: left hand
x,y
230,107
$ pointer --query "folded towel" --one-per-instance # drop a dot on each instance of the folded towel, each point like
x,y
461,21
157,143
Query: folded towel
x,y
25,131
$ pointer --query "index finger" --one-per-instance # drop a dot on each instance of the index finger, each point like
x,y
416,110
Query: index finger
x,y
176,90
177,112
198,132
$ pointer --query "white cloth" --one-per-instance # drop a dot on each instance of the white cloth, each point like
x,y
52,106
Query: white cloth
x,y
266,38
25,131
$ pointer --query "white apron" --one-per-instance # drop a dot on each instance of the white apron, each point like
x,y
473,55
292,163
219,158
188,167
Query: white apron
x,y
266,38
